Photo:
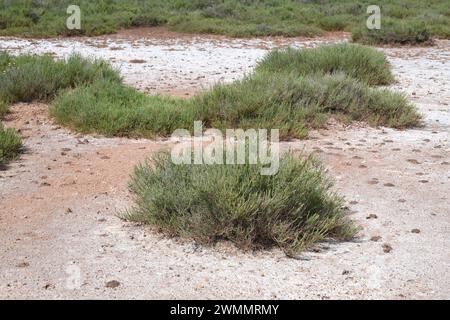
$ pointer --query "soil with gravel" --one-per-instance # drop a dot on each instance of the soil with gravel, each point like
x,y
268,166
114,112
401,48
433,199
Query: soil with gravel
x,y
61,236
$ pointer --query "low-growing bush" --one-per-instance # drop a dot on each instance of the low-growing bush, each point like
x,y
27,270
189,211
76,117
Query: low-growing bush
x,y
10,144
26,78
112,109
403,32
293,209
293,104
359,62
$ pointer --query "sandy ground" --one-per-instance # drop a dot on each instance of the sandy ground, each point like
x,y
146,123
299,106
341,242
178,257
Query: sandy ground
x,y
61,238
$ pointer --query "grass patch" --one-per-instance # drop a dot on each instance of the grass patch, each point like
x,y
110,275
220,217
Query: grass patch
x,y
291,90
10,144
293,209
229,17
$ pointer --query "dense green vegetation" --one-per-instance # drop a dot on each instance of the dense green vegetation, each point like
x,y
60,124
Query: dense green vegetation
x,y
402,21
293,209
358,62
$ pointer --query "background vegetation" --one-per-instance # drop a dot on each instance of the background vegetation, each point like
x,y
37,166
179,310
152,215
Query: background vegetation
x,y
291,90
403,21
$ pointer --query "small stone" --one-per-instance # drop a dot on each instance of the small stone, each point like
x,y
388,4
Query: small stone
x,y
375,238
137,61
389,184
112,284
413,161
49,286
372,216
23,265
387,247
415,231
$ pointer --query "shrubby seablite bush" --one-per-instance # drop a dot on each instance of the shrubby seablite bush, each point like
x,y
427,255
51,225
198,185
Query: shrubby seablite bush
x,y
292,210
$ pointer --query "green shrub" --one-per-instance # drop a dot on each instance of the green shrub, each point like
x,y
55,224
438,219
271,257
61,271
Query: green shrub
x,y
360,62
10,144
30,78
391,31
293,104
293,209
112,109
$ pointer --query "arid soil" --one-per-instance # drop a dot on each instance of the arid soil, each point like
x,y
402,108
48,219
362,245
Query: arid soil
x,y
61,236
